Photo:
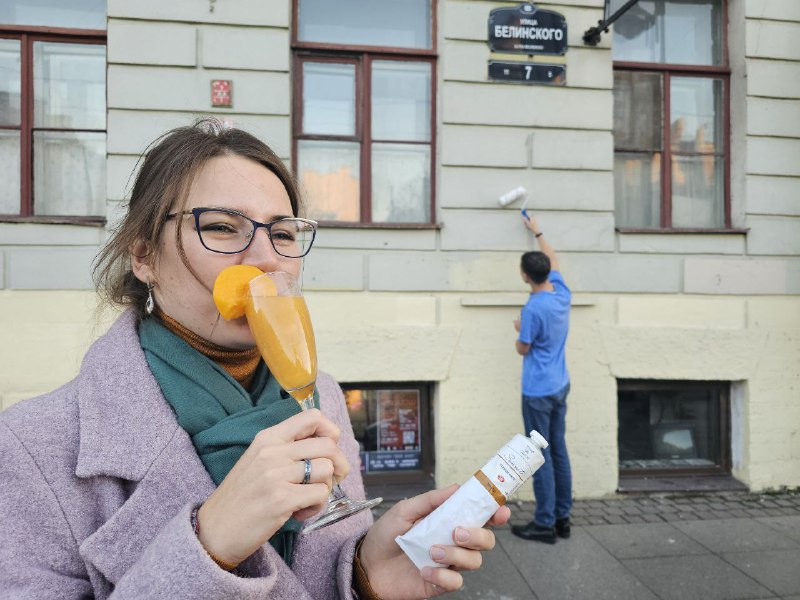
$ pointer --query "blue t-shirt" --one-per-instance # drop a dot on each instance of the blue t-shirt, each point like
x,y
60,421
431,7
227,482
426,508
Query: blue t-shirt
x,y
544,324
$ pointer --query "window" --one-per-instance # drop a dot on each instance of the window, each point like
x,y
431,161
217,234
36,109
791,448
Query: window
x,y
671,89
391,423
52,109
363,110
669,427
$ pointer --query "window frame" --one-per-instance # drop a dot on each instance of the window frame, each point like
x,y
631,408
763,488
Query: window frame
x,y
667,71
724,424
28,35
363,56
424,475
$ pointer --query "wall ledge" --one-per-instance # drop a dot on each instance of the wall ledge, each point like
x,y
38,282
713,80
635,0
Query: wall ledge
x,y
515,299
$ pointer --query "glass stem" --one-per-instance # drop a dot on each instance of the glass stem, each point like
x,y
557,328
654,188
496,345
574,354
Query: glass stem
x,y
336,493
307,403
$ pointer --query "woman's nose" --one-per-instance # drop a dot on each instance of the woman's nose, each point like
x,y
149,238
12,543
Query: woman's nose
x,y
261,253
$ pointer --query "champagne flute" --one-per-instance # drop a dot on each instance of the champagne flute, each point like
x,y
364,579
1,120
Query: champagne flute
x,y
278,317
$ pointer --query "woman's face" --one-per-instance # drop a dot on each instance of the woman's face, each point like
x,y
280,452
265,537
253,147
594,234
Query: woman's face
x,y
224,182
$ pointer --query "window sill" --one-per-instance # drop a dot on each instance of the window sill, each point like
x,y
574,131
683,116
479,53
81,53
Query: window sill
x,y
53,220
353,225
722,230
666,483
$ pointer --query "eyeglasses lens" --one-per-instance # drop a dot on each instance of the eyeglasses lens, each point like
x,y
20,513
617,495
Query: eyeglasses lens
x,y
222,231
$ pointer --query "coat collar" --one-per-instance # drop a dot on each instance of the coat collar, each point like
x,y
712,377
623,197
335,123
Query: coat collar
x,y
124,420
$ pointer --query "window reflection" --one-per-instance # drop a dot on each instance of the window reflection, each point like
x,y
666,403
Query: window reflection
x,y
365,141
697,166
637,189
685,32
401,101
668,426
387,424
638,141
404,24
329,174
69,85
329,99
75,14
9,172
696,152
400,183
10,82
69,172
53,130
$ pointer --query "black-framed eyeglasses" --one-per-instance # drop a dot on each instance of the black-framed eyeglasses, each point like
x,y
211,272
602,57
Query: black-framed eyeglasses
x,y
230,232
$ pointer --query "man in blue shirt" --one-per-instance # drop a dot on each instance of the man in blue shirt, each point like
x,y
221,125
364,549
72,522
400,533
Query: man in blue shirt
x,y
543,326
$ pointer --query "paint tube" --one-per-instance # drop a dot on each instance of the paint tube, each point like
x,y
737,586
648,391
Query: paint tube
x,y
474,503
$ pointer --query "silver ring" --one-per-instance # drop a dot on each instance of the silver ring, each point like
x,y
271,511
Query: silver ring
x,y
307,474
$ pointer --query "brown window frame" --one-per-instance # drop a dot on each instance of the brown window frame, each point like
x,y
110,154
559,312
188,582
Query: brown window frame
x,y
27,35
424,475
363,56
724,424
668,70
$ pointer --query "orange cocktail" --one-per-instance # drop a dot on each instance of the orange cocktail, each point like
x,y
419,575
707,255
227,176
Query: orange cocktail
x,y
282,329
278,318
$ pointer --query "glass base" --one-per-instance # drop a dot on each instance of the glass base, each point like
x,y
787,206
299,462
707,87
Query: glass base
x,y
338,510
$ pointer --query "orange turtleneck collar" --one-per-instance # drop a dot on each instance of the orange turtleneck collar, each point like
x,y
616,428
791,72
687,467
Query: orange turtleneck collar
x,y
240,364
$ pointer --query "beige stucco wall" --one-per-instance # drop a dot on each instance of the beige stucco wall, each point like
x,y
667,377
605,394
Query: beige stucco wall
x,y
44,337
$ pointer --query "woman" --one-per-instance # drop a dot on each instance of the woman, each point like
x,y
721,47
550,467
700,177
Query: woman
x,y
173,466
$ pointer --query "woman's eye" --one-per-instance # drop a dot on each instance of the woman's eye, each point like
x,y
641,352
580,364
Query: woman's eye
x,y
283,236
221,228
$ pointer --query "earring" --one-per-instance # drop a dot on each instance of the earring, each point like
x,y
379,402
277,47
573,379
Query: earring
x,y
150,304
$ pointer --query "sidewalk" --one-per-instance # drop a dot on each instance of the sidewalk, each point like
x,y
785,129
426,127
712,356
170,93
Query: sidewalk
x,y
681,547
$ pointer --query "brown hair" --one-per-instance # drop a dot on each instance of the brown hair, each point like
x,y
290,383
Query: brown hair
x,y
169,166
535,265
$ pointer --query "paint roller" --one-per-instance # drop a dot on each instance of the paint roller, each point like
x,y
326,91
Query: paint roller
x,y
513,196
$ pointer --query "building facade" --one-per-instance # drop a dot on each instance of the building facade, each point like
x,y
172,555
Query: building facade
x,y
663,165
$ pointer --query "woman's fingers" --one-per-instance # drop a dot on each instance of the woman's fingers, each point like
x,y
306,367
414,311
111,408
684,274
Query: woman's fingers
x,y
309,423
412,509
474,538
442,581
466,555
307,513
320,470
310,496
321,448
308,435
501,517
461,559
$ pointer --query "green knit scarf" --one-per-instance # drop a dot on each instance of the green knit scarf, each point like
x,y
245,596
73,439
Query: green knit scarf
x,y
219,415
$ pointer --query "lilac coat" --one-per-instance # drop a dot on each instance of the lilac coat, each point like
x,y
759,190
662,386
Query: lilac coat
x,y
97,482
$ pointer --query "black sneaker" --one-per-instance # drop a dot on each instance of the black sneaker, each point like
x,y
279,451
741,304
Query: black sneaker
x,y
535,533
562,528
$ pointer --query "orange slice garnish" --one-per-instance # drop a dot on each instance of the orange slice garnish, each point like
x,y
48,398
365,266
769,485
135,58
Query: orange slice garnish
x,y
232,288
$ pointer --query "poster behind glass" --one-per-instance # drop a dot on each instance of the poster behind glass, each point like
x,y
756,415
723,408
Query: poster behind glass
x,y
387,426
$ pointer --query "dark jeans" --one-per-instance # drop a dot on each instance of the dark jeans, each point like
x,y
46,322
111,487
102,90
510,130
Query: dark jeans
x,y
552,483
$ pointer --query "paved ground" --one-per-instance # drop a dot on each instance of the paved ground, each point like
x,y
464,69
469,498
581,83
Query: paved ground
x,y
732,545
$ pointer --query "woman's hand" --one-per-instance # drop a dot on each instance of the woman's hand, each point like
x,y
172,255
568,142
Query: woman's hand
x,y
264,488
391,573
